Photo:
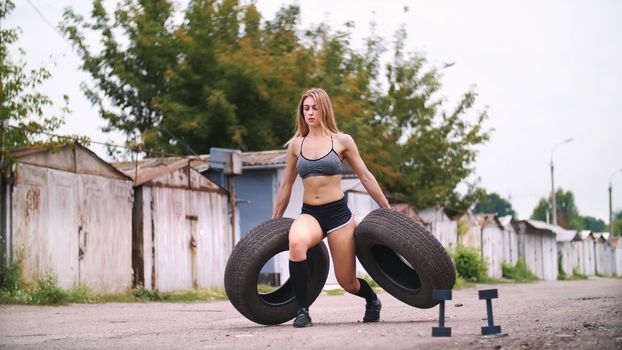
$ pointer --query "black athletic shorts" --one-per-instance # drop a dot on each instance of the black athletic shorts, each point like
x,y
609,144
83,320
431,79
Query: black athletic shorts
x,y
331,216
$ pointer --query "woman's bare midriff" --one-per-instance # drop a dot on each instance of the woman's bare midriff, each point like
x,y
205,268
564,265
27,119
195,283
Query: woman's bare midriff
x,y
320,190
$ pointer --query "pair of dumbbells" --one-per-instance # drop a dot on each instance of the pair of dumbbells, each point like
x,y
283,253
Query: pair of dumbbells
x,y
441,295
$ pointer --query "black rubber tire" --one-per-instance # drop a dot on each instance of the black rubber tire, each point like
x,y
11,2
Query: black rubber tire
x,y
244,265
386,240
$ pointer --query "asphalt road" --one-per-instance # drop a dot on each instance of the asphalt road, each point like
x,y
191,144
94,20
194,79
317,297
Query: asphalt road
x,y
551,315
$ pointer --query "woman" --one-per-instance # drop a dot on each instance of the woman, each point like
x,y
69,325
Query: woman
x,y
315,153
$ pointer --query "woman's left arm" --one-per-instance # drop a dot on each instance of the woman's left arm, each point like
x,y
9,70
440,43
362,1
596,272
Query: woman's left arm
x,y
351,153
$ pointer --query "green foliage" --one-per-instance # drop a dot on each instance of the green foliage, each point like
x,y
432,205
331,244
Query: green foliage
x,y
143,294
463,227
81,294
373,284
461,283
194,295
336,291
47,291
10,279
541,210
469,264
577,275
492,203
519,273
265,288
225,77
20,103
567,214
140,294
593,224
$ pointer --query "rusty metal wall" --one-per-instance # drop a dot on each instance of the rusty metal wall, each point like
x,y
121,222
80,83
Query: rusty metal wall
x,y
510,245
549,257
568,255
73,225
214,243
588,265
492,249
472,238
171,239
601,258
105,233
191,232
446,232
44,216
533,254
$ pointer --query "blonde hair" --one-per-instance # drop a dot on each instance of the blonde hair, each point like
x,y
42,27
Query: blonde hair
x,y
325,109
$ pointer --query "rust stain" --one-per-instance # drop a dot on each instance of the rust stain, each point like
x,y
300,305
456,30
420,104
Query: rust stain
x,y
32,199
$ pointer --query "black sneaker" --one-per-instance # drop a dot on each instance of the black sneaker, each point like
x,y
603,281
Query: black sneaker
x,y
372,311
302,319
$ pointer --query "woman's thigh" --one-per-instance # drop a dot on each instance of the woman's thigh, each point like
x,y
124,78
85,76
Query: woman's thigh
x,y
343,252
304,233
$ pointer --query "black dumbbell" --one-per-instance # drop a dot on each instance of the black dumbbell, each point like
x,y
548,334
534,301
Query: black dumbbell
x,y
489,294
441,330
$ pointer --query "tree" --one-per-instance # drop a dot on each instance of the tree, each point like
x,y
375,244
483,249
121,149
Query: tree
x,y
593,224
542,211
20,104
432,150
567,214
493,203
225,77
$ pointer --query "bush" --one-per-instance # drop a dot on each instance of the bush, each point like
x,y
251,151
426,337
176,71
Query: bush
x,y
81,294
10,279
519,273
469,264
47,291
142,294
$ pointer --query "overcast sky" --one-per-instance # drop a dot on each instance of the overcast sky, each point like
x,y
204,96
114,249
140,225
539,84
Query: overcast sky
x,y
546,70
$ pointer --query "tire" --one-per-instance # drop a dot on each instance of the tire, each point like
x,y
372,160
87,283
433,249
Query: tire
x,y
245,263
403,257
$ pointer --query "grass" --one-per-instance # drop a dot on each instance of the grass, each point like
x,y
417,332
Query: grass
x,y
371,283
264,288
46,291
336,291
141,294
518,273
461,283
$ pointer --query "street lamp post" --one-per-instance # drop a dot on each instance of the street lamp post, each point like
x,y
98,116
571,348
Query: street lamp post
x,y
610,210
553,200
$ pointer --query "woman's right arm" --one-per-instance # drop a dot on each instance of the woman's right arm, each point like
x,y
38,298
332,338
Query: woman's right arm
x,y
289,176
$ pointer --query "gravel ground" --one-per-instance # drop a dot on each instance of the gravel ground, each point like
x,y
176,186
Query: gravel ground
x,y
550,315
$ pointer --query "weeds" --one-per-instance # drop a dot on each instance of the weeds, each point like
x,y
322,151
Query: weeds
x,y
577,275
337,291
265,288
469,264
46,291
461,283
519,273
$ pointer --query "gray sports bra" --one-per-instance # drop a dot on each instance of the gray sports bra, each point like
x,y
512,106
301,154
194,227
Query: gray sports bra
x,y
328,165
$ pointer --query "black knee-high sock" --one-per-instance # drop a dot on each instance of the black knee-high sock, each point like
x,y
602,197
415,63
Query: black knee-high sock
x,y
299,275
366,292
